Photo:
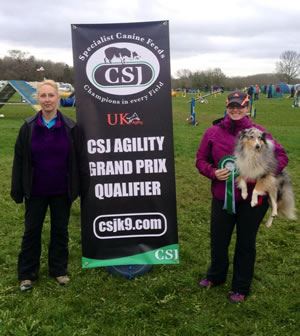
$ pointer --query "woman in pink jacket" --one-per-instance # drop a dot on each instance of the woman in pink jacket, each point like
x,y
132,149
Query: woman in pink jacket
x,y
218,143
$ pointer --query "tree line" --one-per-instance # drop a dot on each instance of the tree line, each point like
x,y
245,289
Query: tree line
x,y
287,70
205,80
18,65
21,66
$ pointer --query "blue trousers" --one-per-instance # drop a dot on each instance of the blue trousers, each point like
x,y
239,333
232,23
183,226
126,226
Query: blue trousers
x,y
247,221
29,256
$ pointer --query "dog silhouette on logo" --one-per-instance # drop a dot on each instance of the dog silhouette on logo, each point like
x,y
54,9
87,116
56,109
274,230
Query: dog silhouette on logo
x,y
134,119
120,53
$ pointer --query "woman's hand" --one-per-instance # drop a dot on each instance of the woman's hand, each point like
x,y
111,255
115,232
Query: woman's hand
x,y
222,174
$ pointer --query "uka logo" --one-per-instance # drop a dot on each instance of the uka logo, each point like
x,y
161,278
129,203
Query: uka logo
x,y
123,119
122,68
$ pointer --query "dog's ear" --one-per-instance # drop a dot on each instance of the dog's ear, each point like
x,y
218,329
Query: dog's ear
x,y
264,137
242,134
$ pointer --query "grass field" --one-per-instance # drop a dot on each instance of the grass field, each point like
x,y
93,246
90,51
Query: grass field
x,y
167,300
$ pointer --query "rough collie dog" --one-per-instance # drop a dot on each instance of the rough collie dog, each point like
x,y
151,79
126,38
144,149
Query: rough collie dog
x,y
255,160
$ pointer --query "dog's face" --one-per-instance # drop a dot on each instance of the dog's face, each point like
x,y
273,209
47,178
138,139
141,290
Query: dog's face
x,y
253,138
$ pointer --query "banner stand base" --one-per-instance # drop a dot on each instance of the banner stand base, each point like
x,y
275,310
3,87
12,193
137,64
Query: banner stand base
x,y
129,271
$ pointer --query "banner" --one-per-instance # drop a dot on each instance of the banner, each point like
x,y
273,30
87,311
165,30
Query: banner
x,y
123,103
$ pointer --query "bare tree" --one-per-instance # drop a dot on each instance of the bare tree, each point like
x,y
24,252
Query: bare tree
x,y
183,79
17,54
288,67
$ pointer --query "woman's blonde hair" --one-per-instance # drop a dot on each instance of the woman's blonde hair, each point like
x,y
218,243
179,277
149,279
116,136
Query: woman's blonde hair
x,y
49,82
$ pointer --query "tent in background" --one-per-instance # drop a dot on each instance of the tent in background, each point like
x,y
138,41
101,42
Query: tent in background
x,y
284,88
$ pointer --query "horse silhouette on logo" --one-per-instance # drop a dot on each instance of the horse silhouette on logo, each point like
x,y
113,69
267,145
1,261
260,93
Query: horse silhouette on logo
x,y
120,53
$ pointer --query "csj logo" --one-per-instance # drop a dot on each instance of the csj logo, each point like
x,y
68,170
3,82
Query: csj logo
x,y
122,68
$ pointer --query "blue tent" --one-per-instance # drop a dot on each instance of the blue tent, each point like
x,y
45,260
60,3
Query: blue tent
x,y
284,88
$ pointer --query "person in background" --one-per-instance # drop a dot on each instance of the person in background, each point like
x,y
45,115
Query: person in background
x,y
256,92
292,91
50,169
270,91
250,91
218,142
296,102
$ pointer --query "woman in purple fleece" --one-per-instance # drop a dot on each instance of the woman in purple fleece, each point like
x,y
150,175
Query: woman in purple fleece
x,y
49,170
215,148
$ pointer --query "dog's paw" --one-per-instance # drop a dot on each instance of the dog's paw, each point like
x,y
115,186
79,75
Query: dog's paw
x,y
244,195
269,222
274,213
253,203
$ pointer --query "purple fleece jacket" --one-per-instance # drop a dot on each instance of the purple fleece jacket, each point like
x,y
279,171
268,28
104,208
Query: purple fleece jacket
x,y
218,141
50,149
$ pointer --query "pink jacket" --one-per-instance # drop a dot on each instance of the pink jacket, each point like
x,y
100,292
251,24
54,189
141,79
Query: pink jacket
x,y
218,141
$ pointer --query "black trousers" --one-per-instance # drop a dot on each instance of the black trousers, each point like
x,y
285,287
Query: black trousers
x,y
35,212
247,221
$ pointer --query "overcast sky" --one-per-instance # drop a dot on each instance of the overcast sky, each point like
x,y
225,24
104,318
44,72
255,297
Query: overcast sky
x,y
239,37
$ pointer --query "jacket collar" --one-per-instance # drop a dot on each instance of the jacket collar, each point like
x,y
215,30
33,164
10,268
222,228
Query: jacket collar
x,y
67,121
235,126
